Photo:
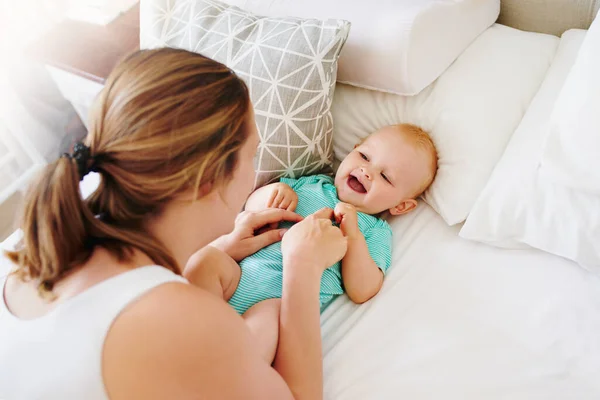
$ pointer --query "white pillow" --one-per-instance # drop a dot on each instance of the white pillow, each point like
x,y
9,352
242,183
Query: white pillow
x,y
471,112
572,153
397,46
519,207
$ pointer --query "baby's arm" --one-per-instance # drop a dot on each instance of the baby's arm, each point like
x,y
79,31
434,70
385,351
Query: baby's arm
x,y
361,275
275,195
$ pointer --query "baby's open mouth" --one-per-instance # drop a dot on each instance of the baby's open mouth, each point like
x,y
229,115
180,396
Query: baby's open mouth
x,y
355,185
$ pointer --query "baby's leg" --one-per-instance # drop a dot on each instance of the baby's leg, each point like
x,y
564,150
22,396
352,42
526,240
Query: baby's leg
x,y
214,271
263,321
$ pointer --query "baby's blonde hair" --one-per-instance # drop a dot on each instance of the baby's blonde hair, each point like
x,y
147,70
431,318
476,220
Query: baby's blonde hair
x,y
422,139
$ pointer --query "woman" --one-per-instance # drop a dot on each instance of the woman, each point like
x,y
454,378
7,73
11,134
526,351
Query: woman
x,y
96,307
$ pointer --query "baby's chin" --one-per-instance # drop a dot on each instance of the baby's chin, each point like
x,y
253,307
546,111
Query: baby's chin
x,y
363,207
359,207
341,192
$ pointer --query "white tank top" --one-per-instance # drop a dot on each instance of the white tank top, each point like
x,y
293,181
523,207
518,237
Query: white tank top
x,y
59,355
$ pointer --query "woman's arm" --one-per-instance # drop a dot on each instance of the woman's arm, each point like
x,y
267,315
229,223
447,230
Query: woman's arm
x,y
308,248
180,342
299,357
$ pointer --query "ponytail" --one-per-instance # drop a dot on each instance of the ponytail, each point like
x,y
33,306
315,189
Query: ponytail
x,y
54,224
60,229
154,132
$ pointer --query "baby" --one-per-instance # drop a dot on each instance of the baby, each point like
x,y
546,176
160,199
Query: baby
x,y
387,172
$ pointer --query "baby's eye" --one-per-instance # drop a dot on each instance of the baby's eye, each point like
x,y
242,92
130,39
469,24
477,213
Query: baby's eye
x,y
386,178
363,156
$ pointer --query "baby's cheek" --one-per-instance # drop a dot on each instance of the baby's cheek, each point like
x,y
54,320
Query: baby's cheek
x,y
385,199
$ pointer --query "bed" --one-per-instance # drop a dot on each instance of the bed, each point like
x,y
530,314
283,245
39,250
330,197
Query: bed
x,y
462,320
459,319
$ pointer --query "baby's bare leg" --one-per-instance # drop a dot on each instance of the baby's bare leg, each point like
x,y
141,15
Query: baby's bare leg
x,y
263,321
217,273
214,271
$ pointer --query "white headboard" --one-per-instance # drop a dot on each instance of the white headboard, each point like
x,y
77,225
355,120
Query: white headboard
x,y
548,16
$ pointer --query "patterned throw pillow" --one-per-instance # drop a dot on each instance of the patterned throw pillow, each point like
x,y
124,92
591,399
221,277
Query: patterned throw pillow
x,y
289,65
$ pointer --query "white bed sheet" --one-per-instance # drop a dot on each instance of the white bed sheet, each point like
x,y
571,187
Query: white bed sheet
x,y
462,320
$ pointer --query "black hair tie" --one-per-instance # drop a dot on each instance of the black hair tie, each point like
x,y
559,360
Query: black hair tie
x,y
82,156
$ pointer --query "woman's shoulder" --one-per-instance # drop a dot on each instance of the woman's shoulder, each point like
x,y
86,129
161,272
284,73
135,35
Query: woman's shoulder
x,y
170,306
168,330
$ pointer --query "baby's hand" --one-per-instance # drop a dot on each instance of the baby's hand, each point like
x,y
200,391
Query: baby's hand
x,y
345,216
283,196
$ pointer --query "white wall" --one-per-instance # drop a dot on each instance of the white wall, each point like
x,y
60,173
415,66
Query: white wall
x,y
33,113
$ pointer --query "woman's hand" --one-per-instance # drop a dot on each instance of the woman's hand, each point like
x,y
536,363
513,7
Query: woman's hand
x,y
250,235
308,248
314,242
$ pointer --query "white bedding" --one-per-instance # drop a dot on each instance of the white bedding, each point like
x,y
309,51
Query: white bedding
x,y
471,112
519,206
461,320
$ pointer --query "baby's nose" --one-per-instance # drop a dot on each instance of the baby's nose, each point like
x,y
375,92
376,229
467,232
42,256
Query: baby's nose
x,y
366,173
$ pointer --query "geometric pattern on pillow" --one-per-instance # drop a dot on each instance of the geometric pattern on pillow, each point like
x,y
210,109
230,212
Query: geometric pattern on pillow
x,y
289,65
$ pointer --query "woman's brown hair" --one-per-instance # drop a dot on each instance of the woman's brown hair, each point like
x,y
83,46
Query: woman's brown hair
x,y
166,121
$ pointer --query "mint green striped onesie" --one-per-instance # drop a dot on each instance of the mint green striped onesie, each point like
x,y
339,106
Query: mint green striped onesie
x,y
262,272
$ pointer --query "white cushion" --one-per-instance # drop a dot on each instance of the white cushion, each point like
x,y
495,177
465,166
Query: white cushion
x,y
398,46
519,207
471,112
572,153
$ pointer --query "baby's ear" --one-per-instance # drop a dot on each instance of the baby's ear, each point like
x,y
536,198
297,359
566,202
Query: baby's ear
x,y
404,207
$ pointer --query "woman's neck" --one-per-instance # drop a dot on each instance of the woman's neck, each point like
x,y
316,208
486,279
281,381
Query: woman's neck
x,y
24,301
185,226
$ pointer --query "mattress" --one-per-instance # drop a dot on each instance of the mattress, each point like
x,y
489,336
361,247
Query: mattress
x,y
457,319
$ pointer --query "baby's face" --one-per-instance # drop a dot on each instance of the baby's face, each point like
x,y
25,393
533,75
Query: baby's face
x,y
384,170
